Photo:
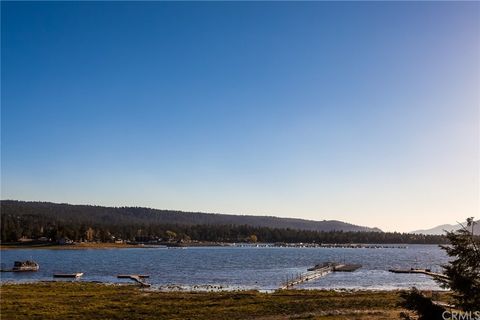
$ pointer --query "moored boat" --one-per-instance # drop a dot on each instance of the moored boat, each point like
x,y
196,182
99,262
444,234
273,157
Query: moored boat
x,y
22,266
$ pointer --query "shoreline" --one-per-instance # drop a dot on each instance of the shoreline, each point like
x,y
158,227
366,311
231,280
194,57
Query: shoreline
x,y
204,288
109,245
80,246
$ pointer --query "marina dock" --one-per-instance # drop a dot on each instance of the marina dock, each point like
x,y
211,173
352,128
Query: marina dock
x,y
319,271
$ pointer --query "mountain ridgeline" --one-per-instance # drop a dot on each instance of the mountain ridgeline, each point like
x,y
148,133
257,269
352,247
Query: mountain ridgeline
x,y
449,227
44,219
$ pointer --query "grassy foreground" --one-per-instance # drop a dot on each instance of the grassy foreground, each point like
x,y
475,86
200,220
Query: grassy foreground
x,y
63,300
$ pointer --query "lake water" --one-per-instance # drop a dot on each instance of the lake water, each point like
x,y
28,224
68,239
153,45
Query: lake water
x,y
234,267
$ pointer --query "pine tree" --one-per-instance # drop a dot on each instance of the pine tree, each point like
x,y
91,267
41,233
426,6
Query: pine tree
x,y
461,276
463,272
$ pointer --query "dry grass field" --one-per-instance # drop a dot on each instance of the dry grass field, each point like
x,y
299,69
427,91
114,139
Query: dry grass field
x,y
63,300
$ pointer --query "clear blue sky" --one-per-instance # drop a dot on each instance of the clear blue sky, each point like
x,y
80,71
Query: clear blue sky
x,y
361,112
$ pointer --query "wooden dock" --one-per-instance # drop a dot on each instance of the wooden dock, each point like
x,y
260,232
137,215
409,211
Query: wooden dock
x,y
128,276
319,271
139,278
427,272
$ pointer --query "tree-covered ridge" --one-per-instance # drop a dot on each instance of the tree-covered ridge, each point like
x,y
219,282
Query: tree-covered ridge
x,y
139,215
54,221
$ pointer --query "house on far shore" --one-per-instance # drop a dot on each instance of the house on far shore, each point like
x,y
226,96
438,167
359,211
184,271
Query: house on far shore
x,y
25,239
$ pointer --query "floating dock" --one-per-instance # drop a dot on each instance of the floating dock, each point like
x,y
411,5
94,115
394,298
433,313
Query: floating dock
x,y
427,272
319,271
75,275
347,267
136,277
128,276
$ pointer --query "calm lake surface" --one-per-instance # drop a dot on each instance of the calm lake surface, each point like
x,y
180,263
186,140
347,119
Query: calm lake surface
x,y
233,267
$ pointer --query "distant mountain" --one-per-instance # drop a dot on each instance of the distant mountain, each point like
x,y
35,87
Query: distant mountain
x,y
88,214
447,227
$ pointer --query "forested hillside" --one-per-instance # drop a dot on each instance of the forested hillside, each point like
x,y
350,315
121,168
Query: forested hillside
x,y
137,215
95,223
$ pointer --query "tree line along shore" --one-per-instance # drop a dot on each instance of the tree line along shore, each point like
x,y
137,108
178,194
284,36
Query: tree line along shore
x,y
60,233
